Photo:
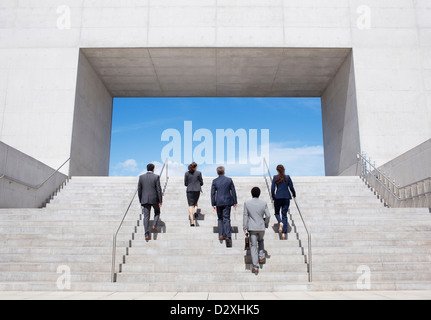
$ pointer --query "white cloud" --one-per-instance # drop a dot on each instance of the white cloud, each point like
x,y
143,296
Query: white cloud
x,y
126,168
175,169
298,161
301,161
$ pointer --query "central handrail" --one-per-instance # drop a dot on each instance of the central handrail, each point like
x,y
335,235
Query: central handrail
x,y
266,170
114,240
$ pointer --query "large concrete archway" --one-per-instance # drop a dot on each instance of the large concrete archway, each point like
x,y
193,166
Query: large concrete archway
x,y
369,63
213,72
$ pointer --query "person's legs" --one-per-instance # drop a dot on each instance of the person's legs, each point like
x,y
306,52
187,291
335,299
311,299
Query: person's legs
x,y
261,245
190,200
254,249
226,221
285,210
220,222
277,207
198,195
191,215
146,212
156,215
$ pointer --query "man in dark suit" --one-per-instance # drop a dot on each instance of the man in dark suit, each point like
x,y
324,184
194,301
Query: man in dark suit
x,y
150,195
223,197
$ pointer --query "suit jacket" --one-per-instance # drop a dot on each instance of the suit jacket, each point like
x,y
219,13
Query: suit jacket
x,y
194,181
281,190
149,189
223,192
256,215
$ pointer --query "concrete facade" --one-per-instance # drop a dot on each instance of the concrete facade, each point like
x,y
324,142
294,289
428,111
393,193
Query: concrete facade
x,y
385,81
91,135
410,167
22,168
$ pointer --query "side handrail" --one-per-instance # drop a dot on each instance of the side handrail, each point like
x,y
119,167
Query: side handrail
x,y
309,258
31,186
114,240
310,262
370,170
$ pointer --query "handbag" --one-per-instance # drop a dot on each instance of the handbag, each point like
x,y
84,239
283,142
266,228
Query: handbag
x,y
247,242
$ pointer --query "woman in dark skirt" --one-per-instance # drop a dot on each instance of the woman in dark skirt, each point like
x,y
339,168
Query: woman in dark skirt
x,y
194,182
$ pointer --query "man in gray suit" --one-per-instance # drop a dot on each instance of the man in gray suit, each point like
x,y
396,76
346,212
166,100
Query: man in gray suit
x,y
256,219
150,195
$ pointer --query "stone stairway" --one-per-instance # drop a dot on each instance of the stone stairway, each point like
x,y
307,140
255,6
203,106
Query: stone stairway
x,y
351,231
181,258
356,241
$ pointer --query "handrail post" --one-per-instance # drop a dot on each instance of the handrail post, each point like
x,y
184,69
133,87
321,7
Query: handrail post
x,y
114,249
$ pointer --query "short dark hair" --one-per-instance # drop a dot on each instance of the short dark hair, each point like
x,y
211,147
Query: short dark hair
x,y
255,192
220,171
150,167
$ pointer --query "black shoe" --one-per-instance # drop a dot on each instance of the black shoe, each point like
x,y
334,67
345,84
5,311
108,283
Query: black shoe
x,y
228,243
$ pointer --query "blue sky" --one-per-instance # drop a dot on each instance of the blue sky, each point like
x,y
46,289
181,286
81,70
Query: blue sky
x,y
294,124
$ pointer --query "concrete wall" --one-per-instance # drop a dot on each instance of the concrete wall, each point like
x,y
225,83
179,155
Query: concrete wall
x,y
390,41
21,167
91,138
411,166
340,122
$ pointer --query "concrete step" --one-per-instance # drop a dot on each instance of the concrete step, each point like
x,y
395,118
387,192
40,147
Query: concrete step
x,y
374,276
369,258
208,278
350,228
157,287
47,267
210,268
238,258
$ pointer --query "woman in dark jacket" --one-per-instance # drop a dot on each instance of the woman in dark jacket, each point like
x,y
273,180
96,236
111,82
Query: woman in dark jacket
x,y
281,184
194,182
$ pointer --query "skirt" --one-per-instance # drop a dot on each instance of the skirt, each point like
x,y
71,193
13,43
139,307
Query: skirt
x,y
193,198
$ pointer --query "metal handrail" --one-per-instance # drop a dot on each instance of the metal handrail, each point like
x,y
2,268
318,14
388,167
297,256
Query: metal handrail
x,y
309,260
114,240
30,186
265,164
376,173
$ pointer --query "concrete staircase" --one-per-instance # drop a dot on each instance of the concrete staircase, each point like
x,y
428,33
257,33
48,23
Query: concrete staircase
x,y
350,228
181,258
356,241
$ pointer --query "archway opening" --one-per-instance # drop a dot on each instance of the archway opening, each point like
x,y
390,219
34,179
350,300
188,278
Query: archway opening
x,y
214,73
234,132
